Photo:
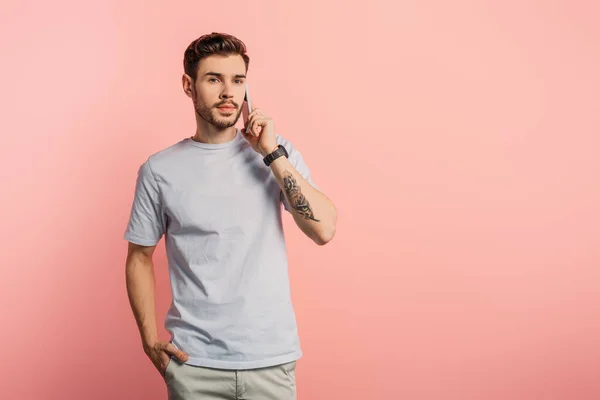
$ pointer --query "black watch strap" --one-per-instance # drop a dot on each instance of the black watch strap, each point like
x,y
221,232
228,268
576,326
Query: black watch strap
x,y
281,151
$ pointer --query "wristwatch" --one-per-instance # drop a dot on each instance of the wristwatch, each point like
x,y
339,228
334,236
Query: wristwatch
x,y
281,151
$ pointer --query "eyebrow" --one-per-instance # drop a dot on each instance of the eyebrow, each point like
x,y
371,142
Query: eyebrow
x,y
218,75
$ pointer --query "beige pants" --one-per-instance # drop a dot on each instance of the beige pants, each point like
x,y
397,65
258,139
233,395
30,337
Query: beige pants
x,y
188,382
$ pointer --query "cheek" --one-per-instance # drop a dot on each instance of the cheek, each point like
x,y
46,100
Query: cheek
x,y
208,95
203,102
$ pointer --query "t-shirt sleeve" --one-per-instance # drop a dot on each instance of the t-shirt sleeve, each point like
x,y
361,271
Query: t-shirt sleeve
x,y
146,220
296,159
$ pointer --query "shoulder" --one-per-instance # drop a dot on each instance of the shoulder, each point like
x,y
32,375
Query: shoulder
x,y
164,157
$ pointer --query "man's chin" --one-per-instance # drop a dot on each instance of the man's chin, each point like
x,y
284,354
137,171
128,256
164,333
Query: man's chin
x,y
230,120
223,123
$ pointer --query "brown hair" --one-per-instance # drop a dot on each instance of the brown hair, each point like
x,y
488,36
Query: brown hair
x,y
209,44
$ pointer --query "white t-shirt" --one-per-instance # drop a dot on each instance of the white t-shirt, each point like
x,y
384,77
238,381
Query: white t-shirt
x,y
219,208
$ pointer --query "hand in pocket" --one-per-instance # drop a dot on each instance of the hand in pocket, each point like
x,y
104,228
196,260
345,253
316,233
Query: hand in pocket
x,y
160,354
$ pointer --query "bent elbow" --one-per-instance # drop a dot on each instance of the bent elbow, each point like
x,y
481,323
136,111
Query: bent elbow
x,y
324,238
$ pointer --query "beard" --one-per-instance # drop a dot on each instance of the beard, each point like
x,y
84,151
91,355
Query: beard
x,y
213,117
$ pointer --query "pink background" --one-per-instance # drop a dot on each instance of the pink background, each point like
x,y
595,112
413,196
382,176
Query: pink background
x,y
459,141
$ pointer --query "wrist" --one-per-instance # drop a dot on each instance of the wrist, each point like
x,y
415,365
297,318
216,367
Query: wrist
x,y
148,344
269,150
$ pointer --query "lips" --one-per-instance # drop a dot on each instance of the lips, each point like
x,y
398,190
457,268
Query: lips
x,y
227,110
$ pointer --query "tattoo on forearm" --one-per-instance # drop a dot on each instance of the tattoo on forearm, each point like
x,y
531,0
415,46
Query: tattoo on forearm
x,y
296,198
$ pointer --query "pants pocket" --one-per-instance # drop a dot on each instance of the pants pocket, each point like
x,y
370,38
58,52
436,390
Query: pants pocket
x,y
169,369
289,369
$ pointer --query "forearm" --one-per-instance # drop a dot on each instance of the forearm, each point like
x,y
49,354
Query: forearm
x,y
139,273
313,212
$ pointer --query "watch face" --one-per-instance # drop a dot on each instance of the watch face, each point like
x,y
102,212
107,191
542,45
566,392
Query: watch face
x,y
284,150
281,151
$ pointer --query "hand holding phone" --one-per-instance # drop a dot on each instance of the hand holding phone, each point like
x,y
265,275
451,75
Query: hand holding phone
x,y
263,139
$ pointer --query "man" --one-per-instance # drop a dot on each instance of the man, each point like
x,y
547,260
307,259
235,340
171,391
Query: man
x,y
216,197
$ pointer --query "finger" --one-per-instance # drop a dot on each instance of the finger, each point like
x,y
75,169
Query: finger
x,y
262,123
257,126
165,359
173,350
256,113
251,118
248,128
246,134
183,357
176,352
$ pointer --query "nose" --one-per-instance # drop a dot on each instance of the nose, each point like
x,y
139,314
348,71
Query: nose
x,y
227,92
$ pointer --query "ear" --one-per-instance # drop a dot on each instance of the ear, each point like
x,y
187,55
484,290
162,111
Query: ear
x,y
188,85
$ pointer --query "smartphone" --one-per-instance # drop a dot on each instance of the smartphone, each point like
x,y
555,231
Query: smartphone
x,y
246,107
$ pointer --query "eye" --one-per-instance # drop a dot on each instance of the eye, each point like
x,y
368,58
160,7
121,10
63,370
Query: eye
x,y
213,79
239,81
